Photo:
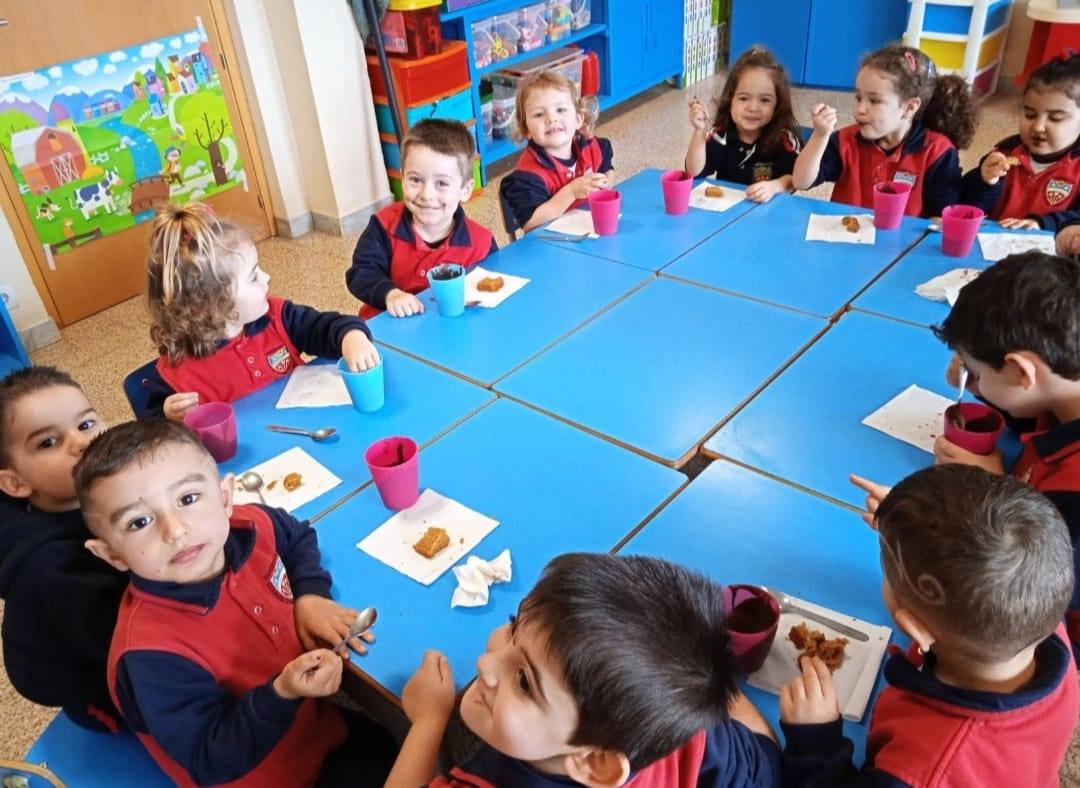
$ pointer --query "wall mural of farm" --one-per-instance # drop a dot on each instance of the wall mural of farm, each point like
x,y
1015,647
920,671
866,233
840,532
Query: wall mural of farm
x,y
95,143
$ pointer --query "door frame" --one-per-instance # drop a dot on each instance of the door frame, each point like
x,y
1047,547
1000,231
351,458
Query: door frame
x,y
33,255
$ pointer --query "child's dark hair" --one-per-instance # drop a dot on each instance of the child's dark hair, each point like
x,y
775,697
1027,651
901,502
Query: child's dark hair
x,y
118,447
21,383
1062,73
448,137
1028,301
783,124
947,106
985,557
643,650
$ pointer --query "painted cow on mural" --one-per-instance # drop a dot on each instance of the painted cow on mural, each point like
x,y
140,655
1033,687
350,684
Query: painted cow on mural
x,y
97,195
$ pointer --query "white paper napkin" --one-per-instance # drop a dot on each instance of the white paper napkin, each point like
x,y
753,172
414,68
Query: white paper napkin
x,y
314,386
315,480
731,197
392,542
577,222
854,679
830,228
947,286
511,284
476,576
915,416
997,245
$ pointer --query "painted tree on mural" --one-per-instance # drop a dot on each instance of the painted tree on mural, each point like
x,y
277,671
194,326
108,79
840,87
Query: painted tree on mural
x,y
212,146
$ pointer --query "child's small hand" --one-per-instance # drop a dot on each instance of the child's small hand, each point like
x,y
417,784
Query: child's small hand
x,y
315,674
945,451
429,695
584,185
177,405
402,304
1068,241
322,622
875,494
609,179
810,699
1020,224
952,375
699,119
358,351
824,118
763,191
993,167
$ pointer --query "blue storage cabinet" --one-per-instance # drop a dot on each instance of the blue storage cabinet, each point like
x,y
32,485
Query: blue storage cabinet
x,y
782,25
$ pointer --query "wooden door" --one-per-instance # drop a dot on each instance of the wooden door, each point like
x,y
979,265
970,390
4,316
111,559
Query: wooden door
x,y
104,137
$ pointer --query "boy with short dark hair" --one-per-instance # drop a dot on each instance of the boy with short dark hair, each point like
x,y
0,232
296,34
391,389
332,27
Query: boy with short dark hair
x,y
59,603
426,229
214,662
978,572
615,668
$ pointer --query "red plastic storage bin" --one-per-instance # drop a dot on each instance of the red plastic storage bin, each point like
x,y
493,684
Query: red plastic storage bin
x,y
412,34
416,81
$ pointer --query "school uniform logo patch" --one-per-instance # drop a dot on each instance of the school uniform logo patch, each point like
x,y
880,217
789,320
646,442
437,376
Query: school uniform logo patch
x,y
903,176
279,580
280,360
1057,190
762,171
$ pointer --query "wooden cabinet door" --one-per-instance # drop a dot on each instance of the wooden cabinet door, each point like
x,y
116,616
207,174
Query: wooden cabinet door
x,y
97,140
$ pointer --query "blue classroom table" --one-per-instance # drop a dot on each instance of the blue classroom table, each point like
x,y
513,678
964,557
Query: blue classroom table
x,y
553,489
421,402
766,256
740,527
893,295
648,237
87,759
485,344
662,368
806,426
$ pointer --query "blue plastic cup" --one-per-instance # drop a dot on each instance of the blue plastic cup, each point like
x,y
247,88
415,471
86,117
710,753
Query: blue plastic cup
x,y
448,284
365,388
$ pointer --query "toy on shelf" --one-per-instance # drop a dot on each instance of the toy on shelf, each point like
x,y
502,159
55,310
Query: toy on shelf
x,y
582,11
483,43
560,19
532,24
963,37
505,36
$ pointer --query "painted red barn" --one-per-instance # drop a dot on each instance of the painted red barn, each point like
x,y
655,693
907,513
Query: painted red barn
x,y
48,157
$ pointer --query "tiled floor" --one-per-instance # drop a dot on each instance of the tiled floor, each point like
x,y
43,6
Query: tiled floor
x,y
650,131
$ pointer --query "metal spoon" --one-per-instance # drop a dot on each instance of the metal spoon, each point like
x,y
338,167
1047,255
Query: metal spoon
x,y
788,606
253,483
318,435
468,304
958,417
570,239
361,624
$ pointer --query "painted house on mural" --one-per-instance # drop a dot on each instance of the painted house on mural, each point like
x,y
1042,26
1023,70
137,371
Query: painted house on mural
x,y
101,109
48,157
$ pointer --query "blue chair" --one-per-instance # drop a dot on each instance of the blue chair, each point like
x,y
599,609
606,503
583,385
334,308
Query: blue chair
x,y
12,353
137,388
89,759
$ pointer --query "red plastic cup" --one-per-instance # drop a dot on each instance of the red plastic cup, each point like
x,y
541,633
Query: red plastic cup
x,y
890,200
982,427
677,185
959,226
215,425
605,204
752,617
394,466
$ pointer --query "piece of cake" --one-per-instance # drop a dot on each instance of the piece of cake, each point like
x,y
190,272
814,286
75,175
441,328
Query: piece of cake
x,y
433,542
851,224
1011,161
812,643
490,284
714,191
292,481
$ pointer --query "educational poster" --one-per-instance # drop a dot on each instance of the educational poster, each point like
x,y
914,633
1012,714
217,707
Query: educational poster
x,y
95,144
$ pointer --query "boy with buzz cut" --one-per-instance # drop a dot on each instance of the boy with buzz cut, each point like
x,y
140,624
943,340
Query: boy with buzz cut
x,y
426,229
978,572
215,662
59,602
614,669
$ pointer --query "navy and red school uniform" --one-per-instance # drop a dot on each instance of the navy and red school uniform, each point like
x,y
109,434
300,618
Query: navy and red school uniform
x,y
1043,188
192,665
391,255
925,159
728,755
60,606
728,158
267,350
924,732
537,176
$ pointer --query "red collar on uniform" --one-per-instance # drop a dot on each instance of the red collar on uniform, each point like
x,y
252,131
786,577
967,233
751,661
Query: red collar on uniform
x,y
547,161
459,233
1056,443
914,142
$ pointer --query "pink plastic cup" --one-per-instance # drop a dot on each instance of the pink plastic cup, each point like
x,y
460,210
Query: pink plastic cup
x,y
605,204
215,425
890,200
959,226
677,185
752,617
982,427
394,466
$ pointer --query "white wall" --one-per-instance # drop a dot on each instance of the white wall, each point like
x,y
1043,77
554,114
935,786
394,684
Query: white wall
x,y
29,313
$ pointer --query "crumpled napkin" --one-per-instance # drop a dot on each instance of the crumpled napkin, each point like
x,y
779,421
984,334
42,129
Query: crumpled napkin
x,y
947,286
475,577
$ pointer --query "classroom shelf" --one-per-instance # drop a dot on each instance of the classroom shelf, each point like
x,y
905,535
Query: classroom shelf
x,y
573,38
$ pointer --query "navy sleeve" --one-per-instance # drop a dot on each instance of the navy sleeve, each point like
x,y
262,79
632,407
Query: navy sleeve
x,y
215,737
158,392
1068,503
319,333
941,183
714,159
1058,220
368,278
819,756
975,191
735,755
298,546
606,154
832,166
521,193
784,161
